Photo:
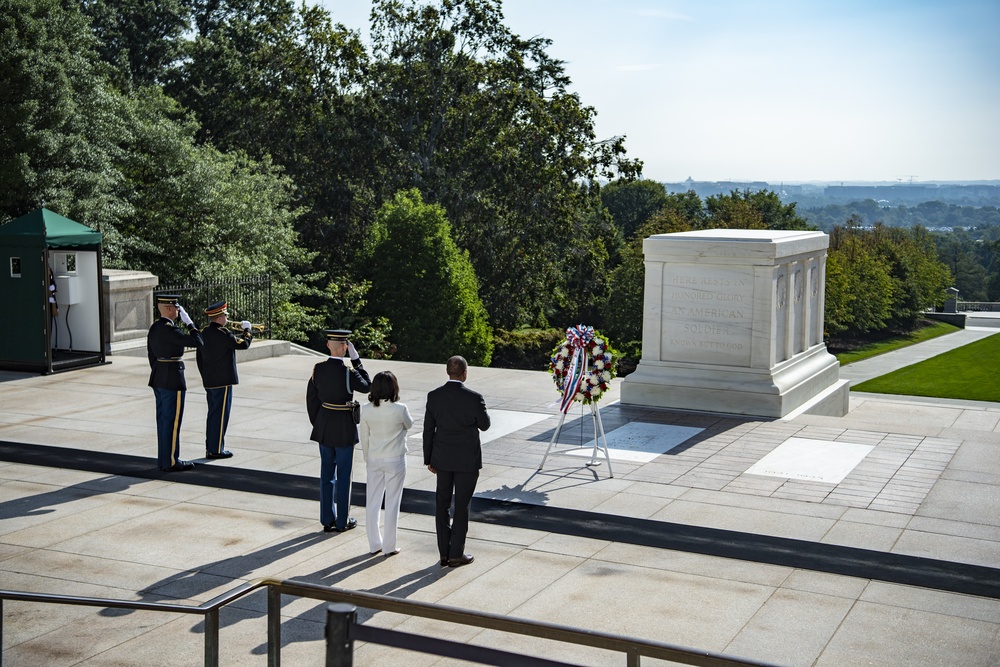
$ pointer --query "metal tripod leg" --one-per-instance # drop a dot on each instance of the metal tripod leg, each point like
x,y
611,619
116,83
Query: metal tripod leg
x,y
555,436
599,428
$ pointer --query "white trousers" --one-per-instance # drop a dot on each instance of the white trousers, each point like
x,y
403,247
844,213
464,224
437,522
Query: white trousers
x,y
385,478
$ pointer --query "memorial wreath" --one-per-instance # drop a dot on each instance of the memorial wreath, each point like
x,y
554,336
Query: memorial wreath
x,y
582,366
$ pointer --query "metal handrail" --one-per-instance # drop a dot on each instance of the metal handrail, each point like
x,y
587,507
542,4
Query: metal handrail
x,y
632,647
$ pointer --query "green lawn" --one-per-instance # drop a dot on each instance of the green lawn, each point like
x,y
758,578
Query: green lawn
x,y
969,372
863,350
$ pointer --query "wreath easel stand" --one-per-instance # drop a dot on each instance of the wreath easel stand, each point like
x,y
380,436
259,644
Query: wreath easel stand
x,y
576,383
600,440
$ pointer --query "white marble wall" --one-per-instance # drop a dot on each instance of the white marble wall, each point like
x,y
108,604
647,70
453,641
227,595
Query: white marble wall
x,y
733,322
128,304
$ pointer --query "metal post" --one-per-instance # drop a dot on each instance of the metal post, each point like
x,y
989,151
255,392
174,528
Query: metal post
x,y
273,627
339,645
212,638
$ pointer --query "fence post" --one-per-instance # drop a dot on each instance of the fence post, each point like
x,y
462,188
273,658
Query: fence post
x,y
273,627
212,638
339,645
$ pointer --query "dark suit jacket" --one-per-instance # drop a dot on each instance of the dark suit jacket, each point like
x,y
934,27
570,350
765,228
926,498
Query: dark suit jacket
x,y
165,345
328,384
217,357
452,421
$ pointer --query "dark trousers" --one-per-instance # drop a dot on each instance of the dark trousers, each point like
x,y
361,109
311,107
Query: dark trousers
x,y
220,404
451,533
169,414
335,464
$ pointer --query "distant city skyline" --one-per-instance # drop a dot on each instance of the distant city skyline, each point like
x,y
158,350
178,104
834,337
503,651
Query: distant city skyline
x,y
779,91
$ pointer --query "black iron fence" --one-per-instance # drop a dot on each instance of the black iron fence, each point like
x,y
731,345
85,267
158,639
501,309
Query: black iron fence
x,y
249,299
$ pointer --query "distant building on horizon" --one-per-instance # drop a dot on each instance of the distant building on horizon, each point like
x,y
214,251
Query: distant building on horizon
x,y
887,195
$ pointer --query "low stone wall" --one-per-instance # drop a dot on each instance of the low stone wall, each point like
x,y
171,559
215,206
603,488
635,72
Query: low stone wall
x,y
128,304
956,319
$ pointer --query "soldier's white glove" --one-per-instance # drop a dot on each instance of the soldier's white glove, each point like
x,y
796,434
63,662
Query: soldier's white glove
x,y
351,351
246,325
185,318
52,299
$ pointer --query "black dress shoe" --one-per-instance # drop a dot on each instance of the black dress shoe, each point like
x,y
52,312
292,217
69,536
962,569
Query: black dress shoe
x,y
224,454
444,562
329,529
351,524
179,466
459,562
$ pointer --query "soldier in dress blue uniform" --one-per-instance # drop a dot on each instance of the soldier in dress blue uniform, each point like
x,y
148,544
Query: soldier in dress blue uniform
x,y
217,365
165,345
331,388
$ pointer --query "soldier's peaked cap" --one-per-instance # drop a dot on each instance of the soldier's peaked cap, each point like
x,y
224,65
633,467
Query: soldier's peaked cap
x,y
167,299
218,308
338,334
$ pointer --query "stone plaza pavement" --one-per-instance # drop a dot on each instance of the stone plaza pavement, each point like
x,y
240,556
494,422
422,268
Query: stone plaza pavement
x,y
683,547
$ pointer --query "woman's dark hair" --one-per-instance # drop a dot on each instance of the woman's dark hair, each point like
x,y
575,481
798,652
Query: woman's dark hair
x,y
384,388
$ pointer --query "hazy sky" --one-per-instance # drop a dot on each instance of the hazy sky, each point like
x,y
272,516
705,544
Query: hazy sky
x,y
796,90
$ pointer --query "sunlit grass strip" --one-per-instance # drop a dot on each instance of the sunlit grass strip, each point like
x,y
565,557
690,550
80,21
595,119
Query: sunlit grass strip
x,y
969,372
881,347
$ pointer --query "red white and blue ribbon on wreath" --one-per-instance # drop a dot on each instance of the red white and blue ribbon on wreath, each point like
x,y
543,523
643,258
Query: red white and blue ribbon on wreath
x,y
577,337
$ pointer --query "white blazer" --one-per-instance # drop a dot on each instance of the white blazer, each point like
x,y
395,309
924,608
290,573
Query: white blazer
x,y
382,430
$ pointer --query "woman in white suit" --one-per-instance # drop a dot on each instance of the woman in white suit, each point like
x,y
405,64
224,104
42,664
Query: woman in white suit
x,y
382,431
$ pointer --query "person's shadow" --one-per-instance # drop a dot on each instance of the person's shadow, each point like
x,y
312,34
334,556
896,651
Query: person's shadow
x,y
45,503
195,583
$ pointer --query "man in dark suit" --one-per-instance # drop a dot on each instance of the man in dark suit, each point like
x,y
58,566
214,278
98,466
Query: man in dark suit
x,y
452,421
328,396
165,345
217,365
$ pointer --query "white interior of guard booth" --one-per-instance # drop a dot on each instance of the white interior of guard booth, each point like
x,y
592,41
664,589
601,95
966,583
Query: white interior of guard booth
x,y
78,326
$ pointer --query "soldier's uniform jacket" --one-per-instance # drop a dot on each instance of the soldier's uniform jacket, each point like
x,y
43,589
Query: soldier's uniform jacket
x,y
165,345
217,357
328,386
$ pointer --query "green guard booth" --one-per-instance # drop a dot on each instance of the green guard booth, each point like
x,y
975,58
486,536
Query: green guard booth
x,y
45,255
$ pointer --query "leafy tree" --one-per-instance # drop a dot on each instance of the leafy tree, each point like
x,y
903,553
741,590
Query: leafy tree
x,y
752,210
140,39
191,212
481,121
270,79
993,280
53,101
859,288
426,286
919,278
959,253
632,203
689,207
880,279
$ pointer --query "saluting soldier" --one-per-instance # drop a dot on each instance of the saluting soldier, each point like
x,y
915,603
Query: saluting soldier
x,y
331,388
217,365
165,345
